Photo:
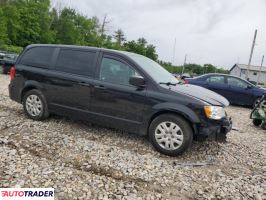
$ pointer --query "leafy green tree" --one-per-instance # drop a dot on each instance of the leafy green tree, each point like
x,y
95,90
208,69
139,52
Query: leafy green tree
x,y
23,22
140,46
12,23
28,22
151,52
3,30
119,37
66,31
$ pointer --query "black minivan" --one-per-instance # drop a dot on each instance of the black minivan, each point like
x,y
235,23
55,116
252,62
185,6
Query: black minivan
x,y
117,89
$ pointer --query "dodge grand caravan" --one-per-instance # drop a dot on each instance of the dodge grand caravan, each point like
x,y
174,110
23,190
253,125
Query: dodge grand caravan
x,y
117,89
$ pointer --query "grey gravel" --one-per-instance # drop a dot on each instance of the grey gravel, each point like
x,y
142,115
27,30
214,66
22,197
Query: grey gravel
x,y
85,161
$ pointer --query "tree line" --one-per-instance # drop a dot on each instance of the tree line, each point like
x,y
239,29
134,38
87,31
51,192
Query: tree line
x,y
193,69
24,22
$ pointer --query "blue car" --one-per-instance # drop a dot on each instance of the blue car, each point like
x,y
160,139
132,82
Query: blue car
x,y
237,91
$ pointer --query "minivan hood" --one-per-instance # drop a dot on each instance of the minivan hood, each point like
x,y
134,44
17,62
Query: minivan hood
x,y
201,93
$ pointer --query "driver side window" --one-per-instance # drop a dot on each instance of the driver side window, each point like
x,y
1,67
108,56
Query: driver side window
x,y
235,82
114,71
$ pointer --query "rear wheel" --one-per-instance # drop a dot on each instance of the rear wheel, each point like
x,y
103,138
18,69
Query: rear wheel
x,y
170,134
257,122
35,106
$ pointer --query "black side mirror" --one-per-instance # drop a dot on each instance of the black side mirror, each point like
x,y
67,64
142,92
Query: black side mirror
x,y
249,87
137,81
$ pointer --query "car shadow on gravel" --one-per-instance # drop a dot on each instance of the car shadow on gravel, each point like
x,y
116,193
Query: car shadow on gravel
x,y
200,150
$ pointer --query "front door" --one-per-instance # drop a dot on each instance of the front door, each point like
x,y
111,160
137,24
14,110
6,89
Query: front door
x,y
217,84
239,91
114,101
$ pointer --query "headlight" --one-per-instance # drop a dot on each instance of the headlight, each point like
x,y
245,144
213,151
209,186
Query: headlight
x,y
214,112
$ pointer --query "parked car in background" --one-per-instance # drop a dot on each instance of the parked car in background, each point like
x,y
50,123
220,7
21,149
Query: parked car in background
x,y
185,75
2,55
237,90
117,89
7,61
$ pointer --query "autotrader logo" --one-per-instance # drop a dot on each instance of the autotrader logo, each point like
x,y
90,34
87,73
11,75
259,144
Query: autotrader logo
x,y
26,193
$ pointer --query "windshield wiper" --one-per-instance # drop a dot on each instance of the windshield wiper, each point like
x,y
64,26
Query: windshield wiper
x,y
168,83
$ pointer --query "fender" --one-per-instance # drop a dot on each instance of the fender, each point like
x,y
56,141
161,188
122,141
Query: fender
x,y
31,84
184,111
178,108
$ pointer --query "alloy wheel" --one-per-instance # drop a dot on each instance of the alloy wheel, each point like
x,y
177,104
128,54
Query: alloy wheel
x,y
263,104
34,105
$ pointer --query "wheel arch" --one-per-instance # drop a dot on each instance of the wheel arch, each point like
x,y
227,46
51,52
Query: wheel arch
x,y
189,115
30,85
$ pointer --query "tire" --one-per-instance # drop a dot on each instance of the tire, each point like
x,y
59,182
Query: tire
x,y
263,126
35,105
172,142
257,122
256,102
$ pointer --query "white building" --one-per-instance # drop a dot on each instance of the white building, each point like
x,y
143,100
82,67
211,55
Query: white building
x,y
256,73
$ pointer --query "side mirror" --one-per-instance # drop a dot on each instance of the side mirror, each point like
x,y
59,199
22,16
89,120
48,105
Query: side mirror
x,y
137,81
249,87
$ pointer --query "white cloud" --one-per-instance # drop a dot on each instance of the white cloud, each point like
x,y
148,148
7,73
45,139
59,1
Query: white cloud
x,y
209,31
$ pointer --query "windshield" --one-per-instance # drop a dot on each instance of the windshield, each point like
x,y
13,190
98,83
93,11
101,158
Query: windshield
x,y
156,71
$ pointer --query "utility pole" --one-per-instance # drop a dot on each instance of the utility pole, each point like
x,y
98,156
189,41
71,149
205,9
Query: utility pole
x,y
251,54
260,69
185,61
173,56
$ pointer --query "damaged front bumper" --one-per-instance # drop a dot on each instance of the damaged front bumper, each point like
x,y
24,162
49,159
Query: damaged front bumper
x,y
216,129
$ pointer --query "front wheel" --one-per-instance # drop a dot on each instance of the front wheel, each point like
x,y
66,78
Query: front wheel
x,y
170,134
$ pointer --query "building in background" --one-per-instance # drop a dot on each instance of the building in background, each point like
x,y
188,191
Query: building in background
x,y
256,73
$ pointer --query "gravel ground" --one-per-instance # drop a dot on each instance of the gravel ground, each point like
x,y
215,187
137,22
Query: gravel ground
x,y
84,161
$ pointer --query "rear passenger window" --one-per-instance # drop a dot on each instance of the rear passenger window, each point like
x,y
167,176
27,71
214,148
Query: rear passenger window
x,y
76,62
38,57
216,79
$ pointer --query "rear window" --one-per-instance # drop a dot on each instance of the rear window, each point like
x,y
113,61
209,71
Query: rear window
x,y
38,57
76,61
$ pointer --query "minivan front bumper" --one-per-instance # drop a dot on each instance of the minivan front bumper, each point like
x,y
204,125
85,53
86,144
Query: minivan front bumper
x,y
216,129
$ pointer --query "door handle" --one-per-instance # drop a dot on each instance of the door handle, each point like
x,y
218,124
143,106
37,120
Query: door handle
x,y
100,87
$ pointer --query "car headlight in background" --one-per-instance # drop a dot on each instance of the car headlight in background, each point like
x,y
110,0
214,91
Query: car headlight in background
x,y
214,112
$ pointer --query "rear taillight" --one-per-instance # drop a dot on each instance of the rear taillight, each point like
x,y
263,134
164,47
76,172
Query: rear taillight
x,y
12,72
